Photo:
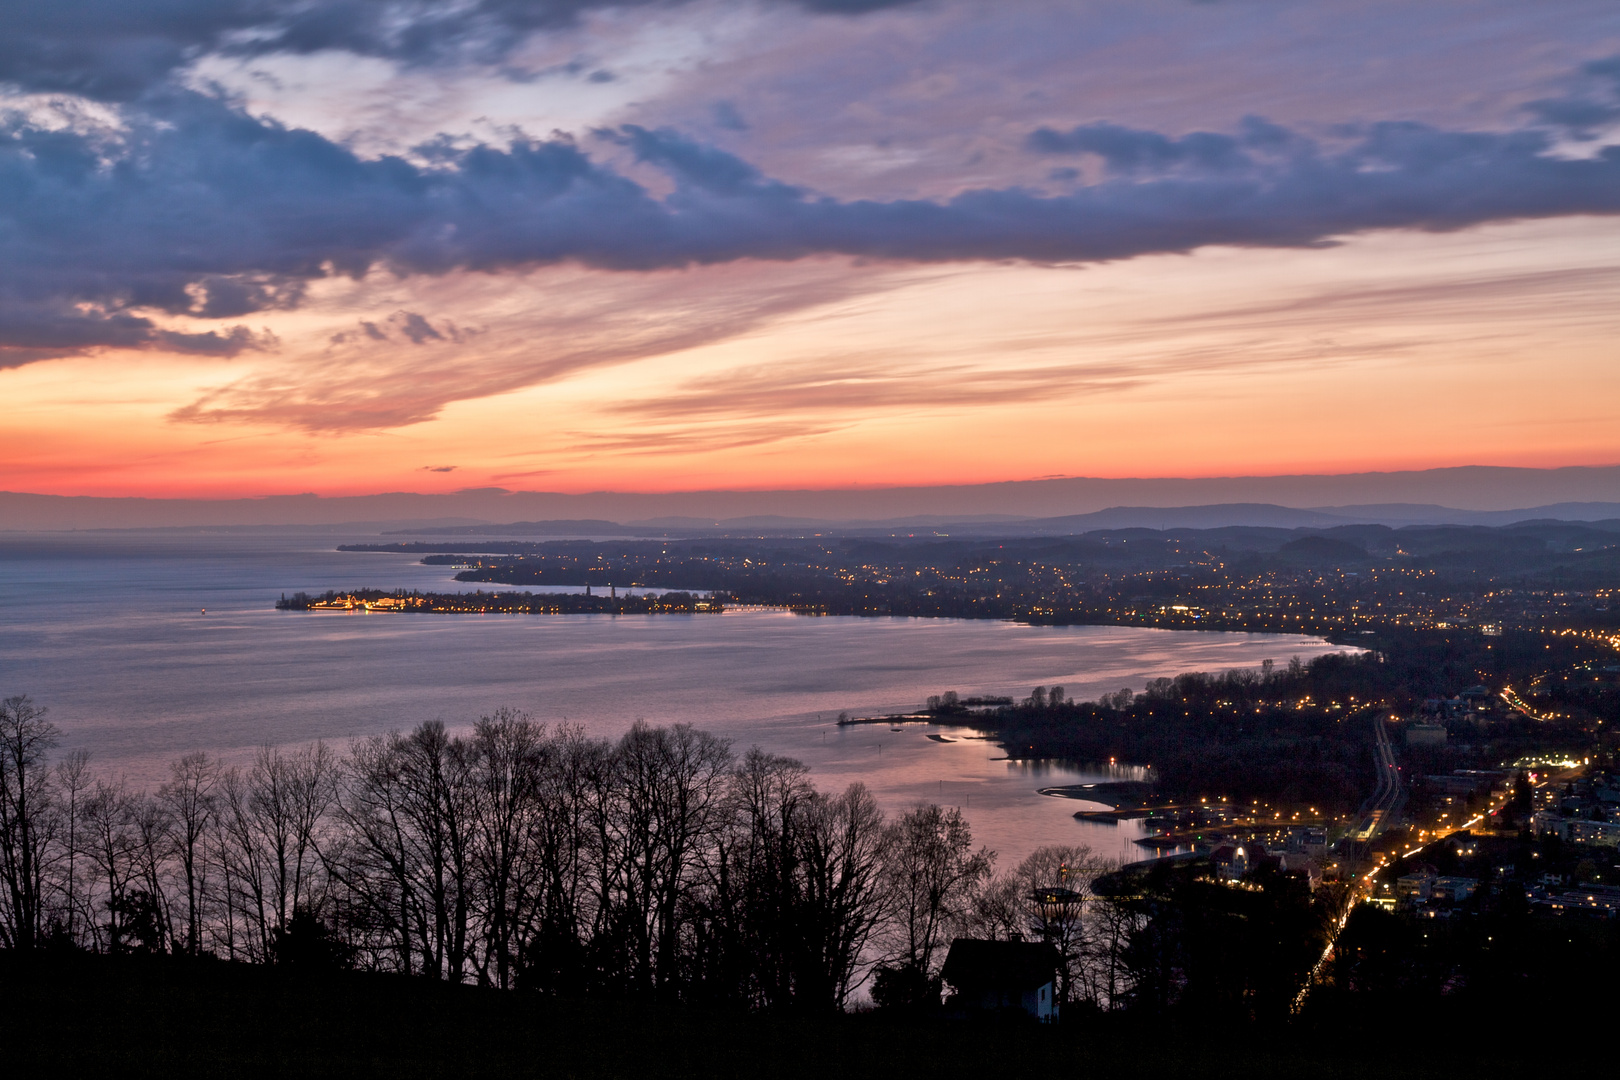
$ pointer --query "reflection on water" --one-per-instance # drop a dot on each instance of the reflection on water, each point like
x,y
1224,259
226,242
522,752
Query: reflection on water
x,y
108,631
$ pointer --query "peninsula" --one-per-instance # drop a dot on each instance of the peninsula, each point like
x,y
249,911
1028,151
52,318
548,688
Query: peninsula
x,y
498,603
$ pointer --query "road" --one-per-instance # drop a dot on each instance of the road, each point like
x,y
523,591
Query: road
x,y
1376,814
1380,809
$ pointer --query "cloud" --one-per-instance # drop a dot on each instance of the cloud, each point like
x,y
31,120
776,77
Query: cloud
x,y
725,116
1157,341
115,50
1592,107
876,383
708,439
194,210
418,329
369,379
1133,152
34,332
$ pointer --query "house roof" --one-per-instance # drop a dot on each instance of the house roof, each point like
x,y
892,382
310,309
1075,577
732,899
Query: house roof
x,y
1010,965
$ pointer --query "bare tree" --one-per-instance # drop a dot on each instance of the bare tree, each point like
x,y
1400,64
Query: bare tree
x,y
933,872
506,753
759,886
26,823
998,910
189,797
113,844
374,862
293,792
842,848
435,781
1055,885
672,802
244,870
1105,974
272,828
522,855
573,777
73,786
150,905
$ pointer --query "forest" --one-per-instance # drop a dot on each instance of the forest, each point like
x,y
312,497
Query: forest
x,y
661,865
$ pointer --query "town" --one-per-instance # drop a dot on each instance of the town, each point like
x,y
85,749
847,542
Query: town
x,y
1543,576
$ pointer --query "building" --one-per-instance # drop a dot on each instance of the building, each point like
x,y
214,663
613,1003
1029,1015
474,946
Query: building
x,y
1575,830
998,975
1415,887
1234,861
1455,889
1602,901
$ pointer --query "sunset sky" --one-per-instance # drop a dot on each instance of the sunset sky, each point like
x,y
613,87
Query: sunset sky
x,y
268,246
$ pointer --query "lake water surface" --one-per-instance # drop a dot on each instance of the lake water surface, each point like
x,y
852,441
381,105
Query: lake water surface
x,y
107,630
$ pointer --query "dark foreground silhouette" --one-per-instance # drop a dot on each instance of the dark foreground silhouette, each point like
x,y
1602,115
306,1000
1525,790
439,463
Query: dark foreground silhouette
x,y
78,1014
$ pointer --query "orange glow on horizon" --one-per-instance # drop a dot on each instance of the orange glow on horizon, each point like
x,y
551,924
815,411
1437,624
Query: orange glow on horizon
x,y
1391,352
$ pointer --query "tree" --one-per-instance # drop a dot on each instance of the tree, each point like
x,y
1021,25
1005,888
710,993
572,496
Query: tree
x,y
435,783
73,784
1046,898
507,754
374,862
272,827
26,822
574,777
842,848
308,945
189,799
932,873
672,801
742,943
1114,920
1054,883
1206,949
154,843
772,793
113,844
905,987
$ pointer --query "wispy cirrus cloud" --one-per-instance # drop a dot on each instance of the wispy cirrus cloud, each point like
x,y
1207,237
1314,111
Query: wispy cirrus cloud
x,y
702,439
404,369
1317,325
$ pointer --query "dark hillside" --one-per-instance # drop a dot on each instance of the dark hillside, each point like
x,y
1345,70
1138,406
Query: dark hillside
x,y
136,1016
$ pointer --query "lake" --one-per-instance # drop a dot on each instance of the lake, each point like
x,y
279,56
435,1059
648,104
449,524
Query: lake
x,y
108,631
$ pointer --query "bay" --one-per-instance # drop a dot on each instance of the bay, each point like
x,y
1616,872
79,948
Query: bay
x,y
148,645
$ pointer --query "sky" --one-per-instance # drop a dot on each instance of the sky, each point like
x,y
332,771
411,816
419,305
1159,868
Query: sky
x,y
255,247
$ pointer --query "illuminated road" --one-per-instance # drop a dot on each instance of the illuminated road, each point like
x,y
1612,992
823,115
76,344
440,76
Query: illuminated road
x,y
1378,811
1376,814
1517,703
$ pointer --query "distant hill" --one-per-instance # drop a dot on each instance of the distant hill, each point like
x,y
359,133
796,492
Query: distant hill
x,y
1469,495
1321,551
1262,515
565,527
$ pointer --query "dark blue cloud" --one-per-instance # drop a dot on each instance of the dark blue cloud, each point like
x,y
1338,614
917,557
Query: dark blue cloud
x,y
198,209
1130,151
115,50
725,115
1592,108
